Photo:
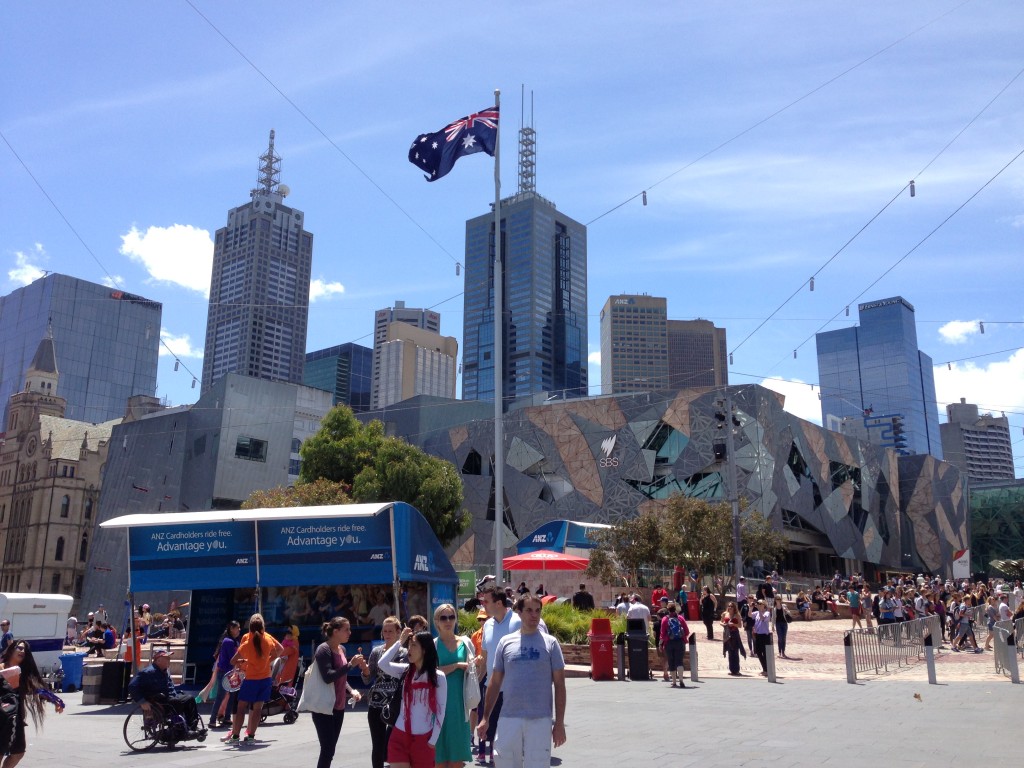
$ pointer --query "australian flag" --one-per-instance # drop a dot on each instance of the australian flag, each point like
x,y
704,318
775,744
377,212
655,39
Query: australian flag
x,y
436,153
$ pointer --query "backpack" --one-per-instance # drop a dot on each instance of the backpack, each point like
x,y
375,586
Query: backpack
x,y
675,629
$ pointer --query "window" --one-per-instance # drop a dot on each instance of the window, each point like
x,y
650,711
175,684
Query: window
x,y
65,504
88,509
58,555
251,449
83,549
55,584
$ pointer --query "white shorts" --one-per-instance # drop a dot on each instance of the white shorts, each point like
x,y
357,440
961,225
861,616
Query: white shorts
x,y
522,742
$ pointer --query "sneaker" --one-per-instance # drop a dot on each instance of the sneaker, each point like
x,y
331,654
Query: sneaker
x,y
231,740
249,739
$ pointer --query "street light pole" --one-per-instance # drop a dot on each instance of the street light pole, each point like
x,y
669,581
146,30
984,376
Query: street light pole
x,y
730,445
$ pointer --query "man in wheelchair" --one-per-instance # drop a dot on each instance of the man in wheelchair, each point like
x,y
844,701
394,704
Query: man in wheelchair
x,y
160,697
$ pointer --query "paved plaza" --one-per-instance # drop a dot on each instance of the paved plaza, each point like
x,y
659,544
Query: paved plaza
x,y
810,717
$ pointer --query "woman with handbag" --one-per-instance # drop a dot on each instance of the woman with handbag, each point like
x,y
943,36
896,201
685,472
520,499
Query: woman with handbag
x,y
325,689
256,652
455,657
424,694
782,619
382,686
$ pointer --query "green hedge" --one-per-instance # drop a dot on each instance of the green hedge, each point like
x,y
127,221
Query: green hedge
x,y
564,622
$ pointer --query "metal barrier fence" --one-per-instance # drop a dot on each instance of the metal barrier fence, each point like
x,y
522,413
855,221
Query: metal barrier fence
x,y
889,647
1009,645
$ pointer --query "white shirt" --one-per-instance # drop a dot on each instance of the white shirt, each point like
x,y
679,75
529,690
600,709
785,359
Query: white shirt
x,y
421,719
638,610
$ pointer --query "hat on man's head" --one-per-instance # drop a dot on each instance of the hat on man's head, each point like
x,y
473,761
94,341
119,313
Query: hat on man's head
x,y
743,578
664,598
481,614
487,582
158,652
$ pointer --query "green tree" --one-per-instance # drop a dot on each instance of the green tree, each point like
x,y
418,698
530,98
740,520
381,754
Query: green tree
x,y
381,468
321,492
623,550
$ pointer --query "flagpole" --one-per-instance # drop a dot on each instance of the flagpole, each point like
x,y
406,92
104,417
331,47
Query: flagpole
x,y
499,349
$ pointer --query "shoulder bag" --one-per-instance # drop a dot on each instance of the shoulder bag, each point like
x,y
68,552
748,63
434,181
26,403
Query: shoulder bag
x,y
317,695
393,705
470,683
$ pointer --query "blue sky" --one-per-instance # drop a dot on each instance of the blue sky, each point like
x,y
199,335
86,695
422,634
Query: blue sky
x,y
767,135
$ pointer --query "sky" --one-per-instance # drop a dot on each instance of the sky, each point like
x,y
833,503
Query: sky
x,y
775,142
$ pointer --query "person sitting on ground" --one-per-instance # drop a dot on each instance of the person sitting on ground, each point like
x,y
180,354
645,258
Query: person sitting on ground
x,y
803,606
153,686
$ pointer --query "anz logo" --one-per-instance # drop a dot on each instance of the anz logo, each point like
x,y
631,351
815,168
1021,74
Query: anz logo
x,y
242,561
420,564
377,556
540,538
607,446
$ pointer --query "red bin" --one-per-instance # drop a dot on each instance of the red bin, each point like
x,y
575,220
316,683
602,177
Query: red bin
x,y
693,604
602,661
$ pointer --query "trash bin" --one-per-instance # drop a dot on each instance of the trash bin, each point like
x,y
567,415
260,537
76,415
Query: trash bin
x,y
693,606
71,666
637,649
114,682
602,663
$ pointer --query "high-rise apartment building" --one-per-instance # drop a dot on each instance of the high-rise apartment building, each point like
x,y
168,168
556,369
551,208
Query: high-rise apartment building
x,y
415,361
259,289
345,370
427,319
109,342
876,367
544,253
697,354
977,444
634,344
641,349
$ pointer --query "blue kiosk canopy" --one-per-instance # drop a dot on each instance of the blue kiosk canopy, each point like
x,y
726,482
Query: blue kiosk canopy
x,y
558,535
346,544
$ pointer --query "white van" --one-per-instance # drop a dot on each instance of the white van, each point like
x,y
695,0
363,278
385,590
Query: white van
x,y
40,619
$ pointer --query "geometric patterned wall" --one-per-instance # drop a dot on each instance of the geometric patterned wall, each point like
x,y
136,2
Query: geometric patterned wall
x,y
997,522
602,459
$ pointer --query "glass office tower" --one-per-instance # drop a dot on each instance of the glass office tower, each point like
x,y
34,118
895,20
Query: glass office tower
x,y
545,295
345,370
106,341
875,369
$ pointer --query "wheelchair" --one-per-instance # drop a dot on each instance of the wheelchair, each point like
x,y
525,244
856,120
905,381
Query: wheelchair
x,y
143,732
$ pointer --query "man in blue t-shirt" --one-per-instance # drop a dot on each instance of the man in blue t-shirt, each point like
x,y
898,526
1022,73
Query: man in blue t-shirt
x,y
527,665
8,637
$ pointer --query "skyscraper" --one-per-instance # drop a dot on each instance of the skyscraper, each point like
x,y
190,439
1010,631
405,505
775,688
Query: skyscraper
x,y
876,369
634,344
109,342
345,370
259,289
544,253
641,349
978,445
427,319
414,361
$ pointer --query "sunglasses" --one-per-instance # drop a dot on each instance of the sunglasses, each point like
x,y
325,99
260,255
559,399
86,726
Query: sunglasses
x,y
447,617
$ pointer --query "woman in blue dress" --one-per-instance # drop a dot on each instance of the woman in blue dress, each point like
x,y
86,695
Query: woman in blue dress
x,y
454,655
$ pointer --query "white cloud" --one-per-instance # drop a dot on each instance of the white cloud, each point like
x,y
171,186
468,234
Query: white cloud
x,y
801,399
997,386
594,358
25,271
179,254
320,289
958,331
112,281
179,346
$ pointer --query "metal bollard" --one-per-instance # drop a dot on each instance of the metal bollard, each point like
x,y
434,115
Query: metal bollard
x,y
769,651
693,657
851,665
1011,658
621,648
929,657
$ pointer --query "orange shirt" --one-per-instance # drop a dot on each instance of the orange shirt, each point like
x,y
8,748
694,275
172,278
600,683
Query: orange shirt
x,y
257,666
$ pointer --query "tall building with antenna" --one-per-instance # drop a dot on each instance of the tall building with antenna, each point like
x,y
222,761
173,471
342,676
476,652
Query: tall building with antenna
x,y
259,289
545,295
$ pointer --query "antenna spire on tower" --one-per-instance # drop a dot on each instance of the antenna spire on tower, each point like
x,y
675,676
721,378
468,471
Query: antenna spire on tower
x,y
270,170
527,149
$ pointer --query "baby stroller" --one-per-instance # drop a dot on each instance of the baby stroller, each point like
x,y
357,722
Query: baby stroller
x,y
283,698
